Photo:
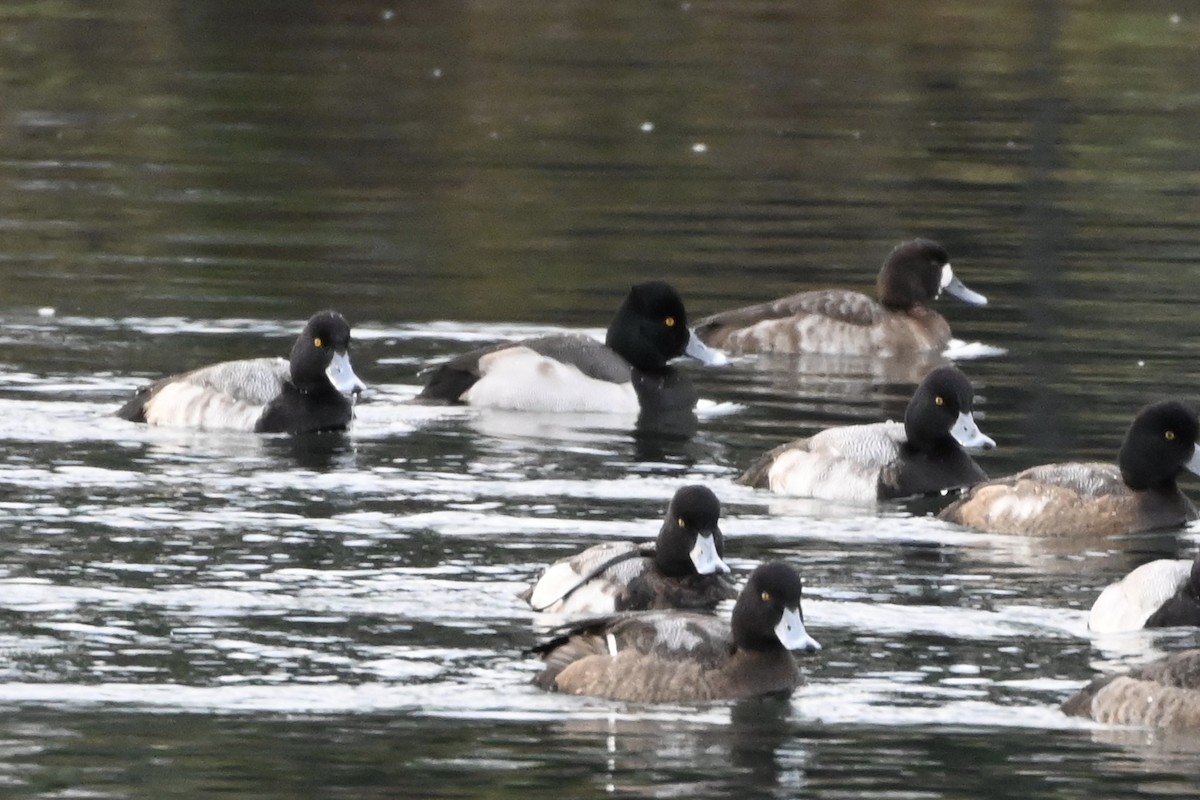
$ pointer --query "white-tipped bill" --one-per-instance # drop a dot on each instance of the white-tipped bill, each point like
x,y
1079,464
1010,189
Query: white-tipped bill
x,y
704,555
703,353
1193,464
342,376
791,632
951,285
967,433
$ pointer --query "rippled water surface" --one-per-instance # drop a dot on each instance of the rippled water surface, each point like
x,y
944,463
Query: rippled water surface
x,y
186,614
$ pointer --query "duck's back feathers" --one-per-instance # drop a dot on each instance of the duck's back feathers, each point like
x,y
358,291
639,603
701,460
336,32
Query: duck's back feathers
x,y
309,392
1069,498
1164,693
681,569
842,305
662,657
453,381
829,321
836,464
621,576
684,656
885,460
229,395
848,323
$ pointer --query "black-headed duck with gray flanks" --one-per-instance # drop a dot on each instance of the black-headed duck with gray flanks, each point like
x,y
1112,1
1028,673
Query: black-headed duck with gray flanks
x,y
311,391
685,656
1162,694
844,322
1138,493
884,460
575,373
683,568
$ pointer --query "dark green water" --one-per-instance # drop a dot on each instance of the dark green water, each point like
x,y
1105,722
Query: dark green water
x,y
193,614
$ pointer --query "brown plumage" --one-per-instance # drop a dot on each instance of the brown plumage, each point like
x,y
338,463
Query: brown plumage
x,y
1137,494
838,321
1162,694
683,657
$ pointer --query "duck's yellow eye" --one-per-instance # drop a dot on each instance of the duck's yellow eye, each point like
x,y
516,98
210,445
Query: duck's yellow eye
x,y
939,400
766,597
681,523
1170,436
669,322
317,342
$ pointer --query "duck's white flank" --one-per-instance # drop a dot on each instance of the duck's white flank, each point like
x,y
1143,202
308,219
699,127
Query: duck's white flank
x,y
519,379
1128,603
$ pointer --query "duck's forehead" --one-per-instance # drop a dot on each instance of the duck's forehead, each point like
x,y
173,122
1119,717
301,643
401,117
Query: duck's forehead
x,y
696,502
332,326
781,581
948,380
666,305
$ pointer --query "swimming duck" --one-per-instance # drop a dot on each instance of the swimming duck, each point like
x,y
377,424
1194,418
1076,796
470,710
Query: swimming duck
x,y
842,322
1139,493
629,372
687,656
1162,694
884,460
309,392
1159,594
682,569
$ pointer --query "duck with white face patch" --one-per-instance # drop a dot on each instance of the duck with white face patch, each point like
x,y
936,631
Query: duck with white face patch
x,y
1138,493
900,322
310,392
683,568
629,372
885,460
686,657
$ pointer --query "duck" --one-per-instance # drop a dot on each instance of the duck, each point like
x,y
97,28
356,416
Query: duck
x,y
1138,493
1159,594
884,460
687,656
1164,693
311,391
683,568
629,372
847,323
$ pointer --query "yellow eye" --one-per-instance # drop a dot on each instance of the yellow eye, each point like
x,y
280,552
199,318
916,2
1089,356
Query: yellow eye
x,y
1170,436
939,400
669,322
681,523
317,342
766,597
